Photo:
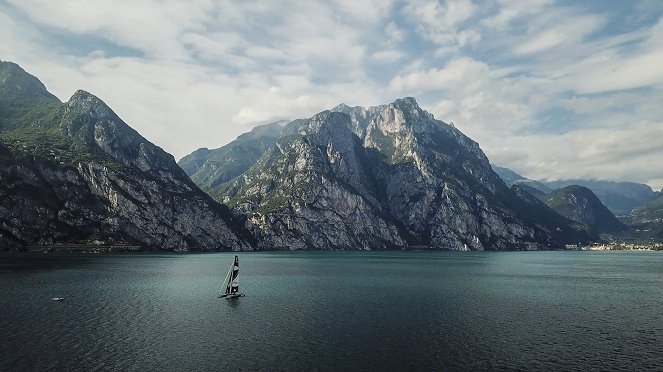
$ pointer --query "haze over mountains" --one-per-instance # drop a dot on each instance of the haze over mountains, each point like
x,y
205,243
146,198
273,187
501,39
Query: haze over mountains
x,y
619,197
384,177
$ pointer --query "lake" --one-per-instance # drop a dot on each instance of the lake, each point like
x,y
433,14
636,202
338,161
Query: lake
x,y
333,311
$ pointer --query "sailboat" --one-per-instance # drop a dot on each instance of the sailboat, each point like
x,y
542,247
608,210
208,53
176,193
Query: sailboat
x,y
230,287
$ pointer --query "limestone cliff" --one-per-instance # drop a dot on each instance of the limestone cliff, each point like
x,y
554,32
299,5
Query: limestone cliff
x,y
389,176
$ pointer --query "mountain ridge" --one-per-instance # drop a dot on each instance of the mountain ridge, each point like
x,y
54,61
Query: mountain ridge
x,y
75,172
619,197
580,204
394,168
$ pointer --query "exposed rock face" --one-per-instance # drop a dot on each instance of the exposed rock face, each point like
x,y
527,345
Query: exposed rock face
x,y
77,172
580,204
384,177
309,191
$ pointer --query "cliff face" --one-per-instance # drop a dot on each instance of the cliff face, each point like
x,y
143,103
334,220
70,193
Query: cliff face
x,y
75,172
310,191
385,177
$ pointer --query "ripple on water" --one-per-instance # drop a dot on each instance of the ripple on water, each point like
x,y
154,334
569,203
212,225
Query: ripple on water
x,y
375,311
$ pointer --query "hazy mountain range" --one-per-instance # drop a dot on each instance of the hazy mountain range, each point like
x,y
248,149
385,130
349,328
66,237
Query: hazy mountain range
x,y
384,177
619,197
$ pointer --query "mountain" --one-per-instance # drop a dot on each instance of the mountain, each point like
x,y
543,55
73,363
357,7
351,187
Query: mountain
x,y
210,168
580,204
647,220
535,191
511,178
75,172
389,176
507,175
618,197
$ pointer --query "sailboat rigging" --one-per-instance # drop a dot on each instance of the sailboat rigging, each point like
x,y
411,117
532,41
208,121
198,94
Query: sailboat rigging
x,y
230,287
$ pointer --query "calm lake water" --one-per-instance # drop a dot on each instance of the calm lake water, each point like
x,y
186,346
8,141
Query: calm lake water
x,y
333,311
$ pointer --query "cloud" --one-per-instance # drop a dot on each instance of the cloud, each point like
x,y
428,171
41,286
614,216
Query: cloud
x,y
550,89
514,10
456,74
394,33
151,27
611,145
441,22
635,72
552,32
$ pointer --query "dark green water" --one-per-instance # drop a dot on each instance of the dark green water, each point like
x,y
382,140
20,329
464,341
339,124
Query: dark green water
x,y
334,311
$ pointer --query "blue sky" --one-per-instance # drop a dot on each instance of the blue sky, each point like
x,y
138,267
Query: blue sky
x,y
551,89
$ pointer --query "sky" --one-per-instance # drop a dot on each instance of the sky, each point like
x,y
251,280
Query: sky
x,y
551,89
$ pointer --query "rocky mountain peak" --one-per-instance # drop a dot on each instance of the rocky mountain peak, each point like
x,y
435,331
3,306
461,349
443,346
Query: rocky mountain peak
x,y
89,120
328,126
409,107
406,104
403,115
342,107
83,101
359,116
20,96
15,82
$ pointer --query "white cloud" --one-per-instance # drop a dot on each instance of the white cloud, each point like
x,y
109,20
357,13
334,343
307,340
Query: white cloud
x,y
455,75
635,72
551,90
554,33
513,10
149,26
441,22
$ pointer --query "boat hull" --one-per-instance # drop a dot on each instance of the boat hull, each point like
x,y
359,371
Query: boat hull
x,y
233,295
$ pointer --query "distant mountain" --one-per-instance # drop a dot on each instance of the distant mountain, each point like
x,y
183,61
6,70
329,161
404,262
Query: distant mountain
x,y
652,211
512,178
618,197
75,172
580,204
507,175
210,168
389,176
647,220
532,190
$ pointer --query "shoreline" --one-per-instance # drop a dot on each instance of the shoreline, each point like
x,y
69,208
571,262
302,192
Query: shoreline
x,y
125,248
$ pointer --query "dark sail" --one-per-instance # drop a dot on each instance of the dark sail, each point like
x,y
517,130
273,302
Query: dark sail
x,y
230,288
234,284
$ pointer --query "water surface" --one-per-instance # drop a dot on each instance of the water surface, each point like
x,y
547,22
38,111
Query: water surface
x,y
333,311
